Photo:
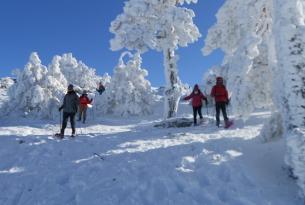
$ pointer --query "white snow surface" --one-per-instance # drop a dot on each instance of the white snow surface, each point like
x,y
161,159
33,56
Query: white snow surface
x,y
142,164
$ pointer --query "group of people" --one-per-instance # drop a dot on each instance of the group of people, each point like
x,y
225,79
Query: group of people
x,y
219,93
72,104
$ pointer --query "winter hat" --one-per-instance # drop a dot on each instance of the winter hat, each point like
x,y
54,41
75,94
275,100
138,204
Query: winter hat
x,y
219,80
70,87
196,87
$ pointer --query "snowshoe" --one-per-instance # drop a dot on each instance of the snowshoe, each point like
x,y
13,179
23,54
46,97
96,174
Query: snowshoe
x,y
59,135
228,124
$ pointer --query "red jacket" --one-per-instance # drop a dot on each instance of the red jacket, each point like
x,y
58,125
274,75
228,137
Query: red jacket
x,y
84,100
196,98
220,93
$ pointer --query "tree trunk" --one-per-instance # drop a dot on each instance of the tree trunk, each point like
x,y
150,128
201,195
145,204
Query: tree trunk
x,y
172,91
289,72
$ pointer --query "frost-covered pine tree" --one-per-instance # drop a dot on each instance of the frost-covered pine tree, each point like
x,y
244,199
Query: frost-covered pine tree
x,y
161,26
55,80
128,93
77,73
28,94
6,82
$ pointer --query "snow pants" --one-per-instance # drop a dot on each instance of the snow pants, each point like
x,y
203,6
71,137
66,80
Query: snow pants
x,y
195,111
221,106
66,117
82,113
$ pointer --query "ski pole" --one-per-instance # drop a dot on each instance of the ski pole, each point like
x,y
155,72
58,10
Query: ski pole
x,y
207,111
94,109
60,124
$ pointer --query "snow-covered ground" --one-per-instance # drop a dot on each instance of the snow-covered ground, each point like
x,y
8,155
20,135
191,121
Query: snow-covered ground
x,y
130,162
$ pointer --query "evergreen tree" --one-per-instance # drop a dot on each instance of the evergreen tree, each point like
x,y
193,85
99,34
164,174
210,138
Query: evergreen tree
x,y
128,93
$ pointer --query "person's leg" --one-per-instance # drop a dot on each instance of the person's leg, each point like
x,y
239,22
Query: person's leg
x,y
79,114
195,115
72,121
84,114
82,110
199,112
64,123
217,114
224,112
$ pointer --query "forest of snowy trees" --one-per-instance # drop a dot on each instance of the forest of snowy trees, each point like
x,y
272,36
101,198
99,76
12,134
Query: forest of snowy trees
x,y
264,66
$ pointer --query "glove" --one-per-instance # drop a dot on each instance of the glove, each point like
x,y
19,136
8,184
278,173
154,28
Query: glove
x,y
59,109
228,102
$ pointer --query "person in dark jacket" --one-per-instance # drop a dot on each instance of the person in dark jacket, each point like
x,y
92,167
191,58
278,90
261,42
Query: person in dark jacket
x,y
69,107
220,94
100,88
84,101
197,97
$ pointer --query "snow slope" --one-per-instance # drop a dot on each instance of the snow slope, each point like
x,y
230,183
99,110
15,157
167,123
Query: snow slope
x,y
128,161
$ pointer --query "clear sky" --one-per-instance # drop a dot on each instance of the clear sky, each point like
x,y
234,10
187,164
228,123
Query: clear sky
x,y
52,27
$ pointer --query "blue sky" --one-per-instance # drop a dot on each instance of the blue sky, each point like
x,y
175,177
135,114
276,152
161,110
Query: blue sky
x,y
52,27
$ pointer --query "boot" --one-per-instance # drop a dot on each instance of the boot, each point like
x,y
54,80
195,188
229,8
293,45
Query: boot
x,y
59,135
227,123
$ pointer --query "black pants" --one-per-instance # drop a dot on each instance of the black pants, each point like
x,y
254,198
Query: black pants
x,y
66,116
195,110
82,112
221,106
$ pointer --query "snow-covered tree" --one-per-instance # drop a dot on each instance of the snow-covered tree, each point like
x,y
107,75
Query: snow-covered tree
x,y
128,93
289,43
161,26
29,94
6,82
77,73
39,90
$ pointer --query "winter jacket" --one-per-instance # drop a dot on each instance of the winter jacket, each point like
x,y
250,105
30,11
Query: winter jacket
x,y
84,101
196,98
220,93
71,102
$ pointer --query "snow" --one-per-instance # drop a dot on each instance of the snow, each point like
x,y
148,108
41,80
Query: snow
x,y
129,161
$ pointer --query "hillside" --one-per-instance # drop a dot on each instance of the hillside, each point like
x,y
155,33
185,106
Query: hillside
x,y
129,161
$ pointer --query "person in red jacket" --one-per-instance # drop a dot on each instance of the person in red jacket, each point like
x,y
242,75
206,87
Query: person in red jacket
x,y
84,101
197,97
220,94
